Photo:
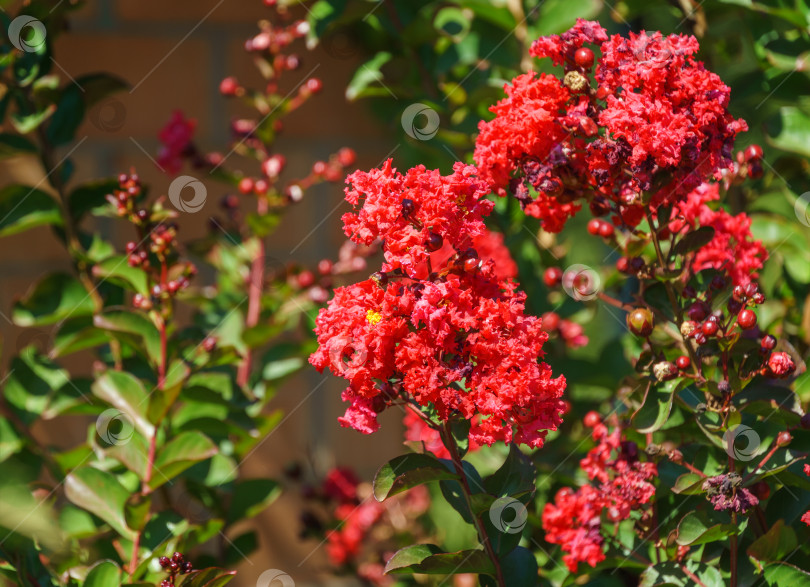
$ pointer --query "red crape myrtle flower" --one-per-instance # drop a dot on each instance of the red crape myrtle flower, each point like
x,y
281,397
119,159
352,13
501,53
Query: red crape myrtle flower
x,y
574,520
175,138
655,121
452,336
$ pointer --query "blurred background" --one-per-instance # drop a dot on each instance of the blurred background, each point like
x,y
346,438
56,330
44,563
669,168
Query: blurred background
x,y
454,56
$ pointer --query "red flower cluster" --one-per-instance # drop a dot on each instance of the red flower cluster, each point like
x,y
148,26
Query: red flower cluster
x,y
453,336
175,138
574,519
732,249
657,121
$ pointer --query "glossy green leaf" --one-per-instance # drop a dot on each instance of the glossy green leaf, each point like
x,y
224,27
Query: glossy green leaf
x,y
12,145
125,393
782,573
55,298
695,528
211,577
90,196
789,130
117,270
103,574
22,208
134,329
180,453
431,560
694,240
251,496
688,484
515,476
367,74
100,493
656,409
406,471
773,546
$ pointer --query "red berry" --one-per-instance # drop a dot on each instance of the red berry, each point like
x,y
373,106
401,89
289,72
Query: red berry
x,y
784,438
700,338
273,165
305,278
229,86
697,311
753,152
319,167
747,319
261,187
594,226
592,419
758,298
751,289
246,185
755,169
640,322
324,266
683,362
623,265
709,328
761,490
434,242
584,58
689,292
664,233
551,321
606,230
471,264
314,85
209,343
346,157
552,276
768,342
588,126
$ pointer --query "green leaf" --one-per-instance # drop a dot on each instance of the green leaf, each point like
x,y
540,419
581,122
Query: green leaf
x,y
694,240
657,407
161,403
250,497
183,451
68,116
520,568
781,574
406,471
22,208
671,574
515,476
772,546
431,560
77,334
27,123
100,493
116,269
211,577
367,74
695,528
125,393
789,130
33,384
10,441
56,298
688,484
103,574
90,196
134,329
13,145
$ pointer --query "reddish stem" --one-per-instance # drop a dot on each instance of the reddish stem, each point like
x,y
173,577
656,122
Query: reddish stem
x,y
255,287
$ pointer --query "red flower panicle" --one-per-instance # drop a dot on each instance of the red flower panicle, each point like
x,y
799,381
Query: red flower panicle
x,y
622,486
175,138
451,335
657,121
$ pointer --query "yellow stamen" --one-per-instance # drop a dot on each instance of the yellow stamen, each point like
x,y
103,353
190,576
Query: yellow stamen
x,y
373,317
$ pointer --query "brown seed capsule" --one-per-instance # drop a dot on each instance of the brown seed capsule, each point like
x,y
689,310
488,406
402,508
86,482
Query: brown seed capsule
x,y
640,322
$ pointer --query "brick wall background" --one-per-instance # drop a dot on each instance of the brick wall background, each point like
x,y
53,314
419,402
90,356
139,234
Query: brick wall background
x,y
174,54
